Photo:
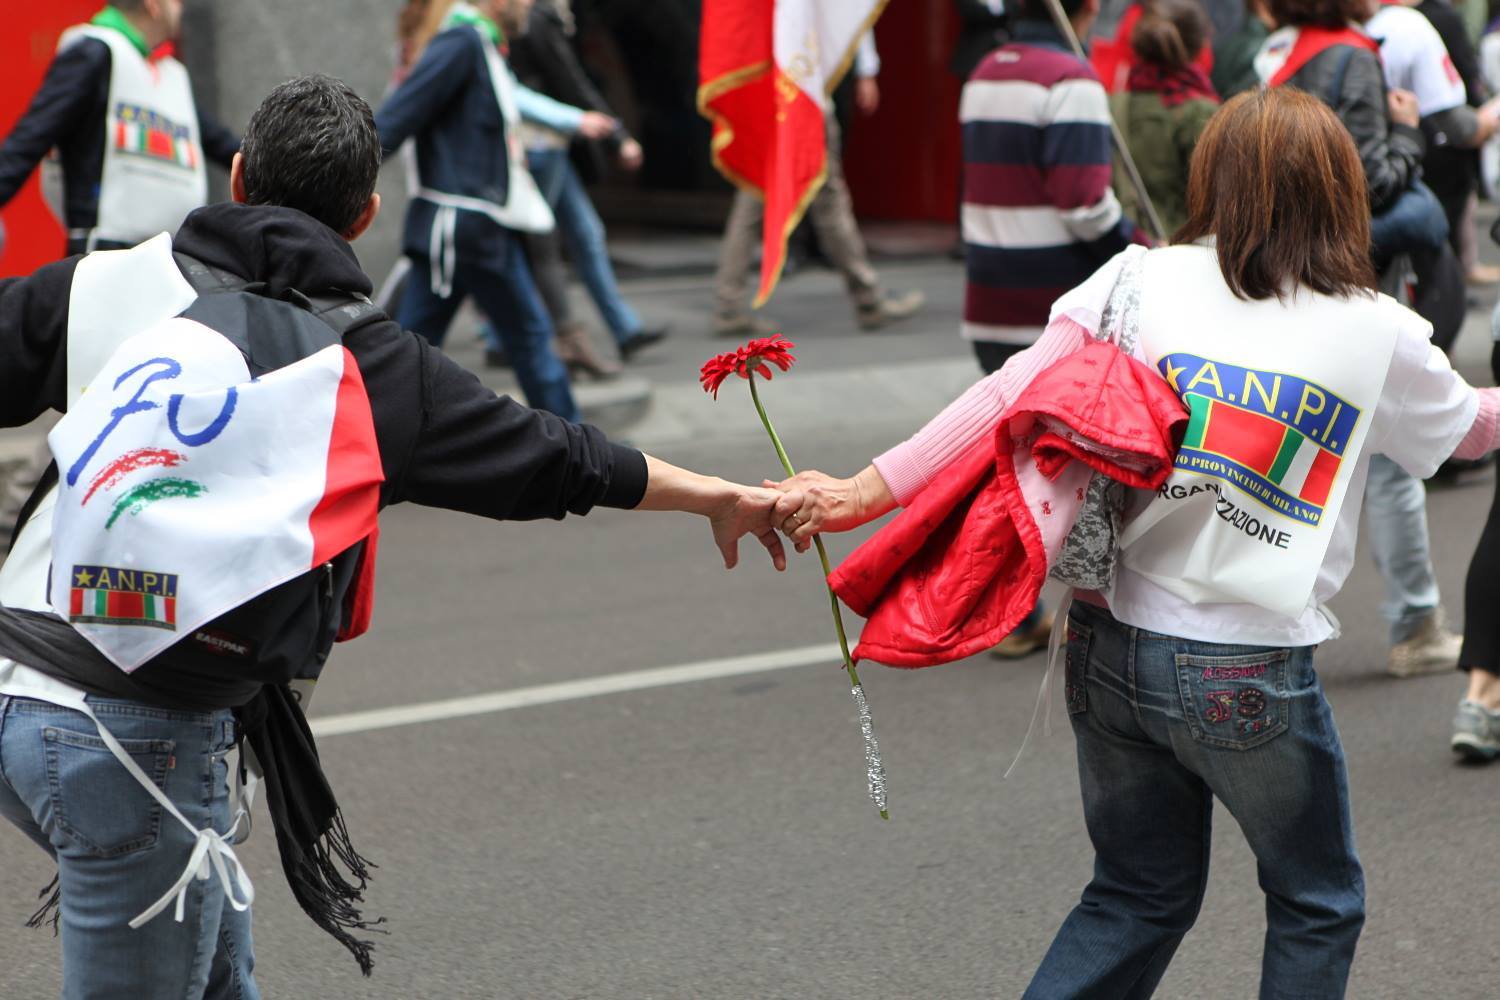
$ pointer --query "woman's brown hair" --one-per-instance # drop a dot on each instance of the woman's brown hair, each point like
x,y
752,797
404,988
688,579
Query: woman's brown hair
x,y
1170,33
1316,13
1276,181
418,23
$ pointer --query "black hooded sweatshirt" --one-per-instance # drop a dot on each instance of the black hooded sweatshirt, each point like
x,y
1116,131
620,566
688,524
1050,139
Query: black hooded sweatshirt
x,y
474,451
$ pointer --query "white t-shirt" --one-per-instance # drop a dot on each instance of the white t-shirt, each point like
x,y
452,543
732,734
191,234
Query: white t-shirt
x,y
1424,410
1415,59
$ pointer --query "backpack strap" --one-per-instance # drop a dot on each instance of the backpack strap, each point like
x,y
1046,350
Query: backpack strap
x,y
342,313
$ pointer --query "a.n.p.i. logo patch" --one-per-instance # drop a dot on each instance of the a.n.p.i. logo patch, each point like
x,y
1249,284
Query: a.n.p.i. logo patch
x,y
1278,438
140,131
105,595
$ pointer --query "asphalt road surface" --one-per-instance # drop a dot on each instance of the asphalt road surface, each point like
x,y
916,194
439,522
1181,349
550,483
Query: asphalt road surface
x,y
712,838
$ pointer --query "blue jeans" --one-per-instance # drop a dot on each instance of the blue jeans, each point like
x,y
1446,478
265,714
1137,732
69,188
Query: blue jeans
x,y
1396,512
583,233
518,321
1164,725
117,852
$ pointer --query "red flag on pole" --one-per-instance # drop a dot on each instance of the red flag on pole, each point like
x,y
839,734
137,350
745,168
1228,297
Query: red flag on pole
x,y
765,70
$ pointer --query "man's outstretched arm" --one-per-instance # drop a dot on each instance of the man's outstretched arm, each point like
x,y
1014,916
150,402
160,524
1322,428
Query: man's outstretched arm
x,y
485,454
732,510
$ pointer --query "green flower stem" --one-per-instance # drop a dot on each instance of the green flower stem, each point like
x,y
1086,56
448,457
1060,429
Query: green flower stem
x,y
833,601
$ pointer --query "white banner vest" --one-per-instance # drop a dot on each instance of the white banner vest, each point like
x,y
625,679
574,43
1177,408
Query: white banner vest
x,y
187,487
153,173
1280,412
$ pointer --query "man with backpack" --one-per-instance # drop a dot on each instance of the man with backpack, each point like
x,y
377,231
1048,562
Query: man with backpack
x,y
248,413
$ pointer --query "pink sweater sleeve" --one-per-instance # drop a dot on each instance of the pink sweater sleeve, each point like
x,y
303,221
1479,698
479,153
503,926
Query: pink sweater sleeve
x,y
914,463
1484,436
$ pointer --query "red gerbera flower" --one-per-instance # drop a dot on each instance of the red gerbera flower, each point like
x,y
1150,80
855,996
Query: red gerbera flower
x,y
756,357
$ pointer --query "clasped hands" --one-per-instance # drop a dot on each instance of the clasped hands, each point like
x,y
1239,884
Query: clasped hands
x,y
801,508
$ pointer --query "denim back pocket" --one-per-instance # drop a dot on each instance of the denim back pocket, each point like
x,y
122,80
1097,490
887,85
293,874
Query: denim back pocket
x,y
99,808
1076,668
1237,702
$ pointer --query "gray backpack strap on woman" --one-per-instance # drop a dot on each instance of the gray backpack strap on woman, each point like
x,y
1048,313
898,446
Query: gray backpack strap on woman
x,y
1087,559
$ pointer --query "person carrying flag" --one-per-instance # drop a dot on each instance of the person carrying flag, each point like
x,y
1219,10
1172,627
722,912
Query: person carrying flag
x,y
122,685
118,107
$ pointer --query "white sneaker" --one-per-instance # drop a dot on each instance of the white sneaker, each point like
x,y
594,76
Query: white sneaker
x,y
1431,649
1476,732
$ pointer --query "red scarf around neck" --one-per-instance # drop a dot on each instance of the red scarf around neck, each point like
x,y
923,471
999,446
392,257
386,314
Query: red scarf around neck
x,y
1174,85
1312,42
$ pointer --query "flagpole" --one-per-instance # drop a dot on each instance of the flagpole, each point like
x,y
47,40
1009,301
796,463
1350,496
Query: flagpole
x,y
1060,18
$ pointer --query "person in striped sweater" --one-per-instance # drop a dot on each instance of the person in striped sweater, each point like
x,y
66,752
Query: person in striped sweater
x,y
1038,213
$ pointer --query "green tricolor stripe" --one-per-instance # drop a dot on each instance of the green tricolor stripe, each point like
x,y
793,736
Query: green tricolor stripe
x,y
1198,407
1285,455
100,601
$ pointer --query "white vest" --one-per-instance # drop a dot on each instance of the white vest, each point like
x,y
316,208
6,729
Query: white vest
x,y
1282,400
525,208
153,173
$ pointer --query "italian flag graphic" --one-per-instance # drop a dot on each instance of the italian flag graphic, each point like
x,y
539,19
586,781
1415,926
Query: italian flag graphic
x,y
134,137
766,69
1288,459
213,489
134,606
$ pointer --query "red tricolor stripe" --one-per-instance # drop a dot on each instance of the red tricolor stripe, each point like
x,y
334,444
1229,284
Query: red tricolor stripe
x,y
1311,42
348,512
1319,482
1248,438
768,131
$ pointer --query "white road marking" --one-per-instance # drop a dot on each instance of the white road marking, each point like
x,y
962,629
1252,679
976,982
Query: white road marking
x,y
591,687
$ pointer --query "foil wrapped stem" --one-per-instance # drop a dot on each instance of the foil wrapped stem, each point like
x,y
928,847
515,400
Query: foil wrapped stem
x,y
874,769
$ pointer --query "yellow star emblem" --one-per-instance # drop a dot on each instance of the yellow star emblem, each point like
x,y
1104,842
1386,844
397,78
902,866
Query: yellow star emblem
x,y
83,578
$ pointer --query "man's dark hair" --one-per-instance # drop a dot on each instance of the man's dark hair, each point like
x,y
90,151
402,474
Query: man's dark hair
x,y
1039,10
127,6
312,146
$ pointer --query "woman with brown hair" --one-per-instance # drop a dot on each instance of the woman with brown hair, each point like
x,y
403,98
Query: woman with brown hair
x,y
1167,101
1190,676
474,199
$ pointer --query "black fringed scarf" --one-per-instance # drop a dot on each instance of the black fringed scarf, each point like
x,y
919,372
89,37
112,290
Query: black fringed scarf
x,y
310,832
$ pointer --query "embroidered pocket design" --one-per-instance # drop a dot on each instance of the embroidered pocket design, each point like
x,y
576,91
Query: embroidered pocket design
x,y
1236,702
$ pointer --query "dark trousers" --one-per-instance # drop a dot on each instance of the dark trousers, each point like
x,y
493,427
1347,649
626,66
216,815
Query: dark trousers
x,y
506,295
992,356
1482,587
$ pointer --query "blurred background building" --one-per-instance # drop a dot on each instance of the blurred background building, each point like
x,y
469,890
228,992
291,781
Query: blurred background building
x,y
901,162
